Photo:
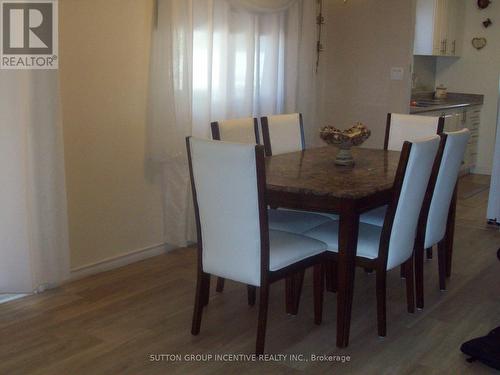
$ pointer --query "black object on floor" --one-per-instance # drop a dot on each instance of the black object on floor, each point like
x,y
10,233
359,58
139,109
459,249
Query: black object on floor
x,y
485,349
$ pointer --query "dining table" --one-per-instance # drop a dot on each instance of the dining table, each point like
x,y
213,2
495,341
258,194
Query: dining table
x,y
310,180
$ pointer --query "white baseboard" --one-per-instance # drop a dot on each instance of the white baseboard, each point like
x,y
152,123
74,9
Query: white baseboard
x,y
119,261
10,297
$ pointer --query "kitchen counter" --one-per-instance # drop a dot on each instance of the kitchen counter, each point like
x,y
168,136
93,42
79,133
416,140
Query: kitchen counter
x,y
427,103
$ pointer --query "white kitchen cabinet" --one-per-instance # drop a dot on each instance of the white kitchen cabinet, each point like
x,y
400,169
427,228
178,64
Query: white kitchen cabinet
x,y
457,119
438,27
472,121
455,25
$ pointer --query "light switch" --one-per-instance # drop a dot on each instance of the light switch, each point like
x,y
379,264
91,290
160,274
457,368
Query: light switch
x,y
397,73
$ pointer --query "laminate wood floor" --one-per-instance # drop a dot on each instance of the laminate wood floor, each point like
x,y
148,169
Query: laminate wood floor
x,y
113,322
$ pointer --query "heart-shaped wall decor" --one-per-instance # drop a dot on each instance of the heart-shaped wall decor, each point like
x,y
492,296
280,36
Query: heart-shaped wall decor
x,y
479,43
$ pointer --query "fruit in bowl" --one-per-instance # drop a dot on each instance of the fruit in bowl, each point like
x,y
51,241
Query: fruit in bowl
x,y
345,139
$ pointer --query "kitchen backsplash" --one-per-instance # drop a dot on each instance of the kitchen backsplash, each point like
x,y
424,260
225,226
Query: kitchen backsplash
x,y
424,73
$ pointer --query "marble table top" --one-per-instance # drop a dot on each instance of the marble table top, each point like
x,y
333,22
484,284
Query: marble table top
x,y
314,172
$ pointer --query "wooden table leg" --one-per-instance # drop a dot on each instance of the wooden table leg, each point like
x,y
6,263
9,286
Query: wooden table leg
x,y
450,232
348,239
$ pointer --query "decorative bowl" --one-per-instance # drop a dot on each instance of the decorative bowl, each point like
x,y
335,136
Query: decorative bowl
x,y
344,140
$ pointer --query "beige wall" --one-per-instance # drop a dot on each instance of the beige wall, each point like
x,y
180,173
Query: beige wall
x,y
363,40
478,72
114,206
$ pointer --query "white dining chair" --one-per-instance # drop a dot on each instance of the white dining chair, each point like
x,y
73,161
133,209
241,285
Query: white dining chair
x,y
434,232
384,248
234,240
403,127
241,130
246,130
282,133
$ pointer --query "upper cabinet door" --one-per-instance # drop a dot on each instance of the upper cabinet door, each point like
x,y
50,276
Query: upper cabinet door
x,y
426,28
441,28
438,27
455,23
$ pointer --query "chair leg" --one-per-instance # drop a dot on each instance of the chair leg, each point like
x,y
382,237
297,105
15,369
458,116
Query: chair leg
x,y
429,252
442,264
381,302
319,285
450,233
410,285
251,291
261,326
419,276
293,291
206,289
331,275
220,285
449,256
202,284
289,294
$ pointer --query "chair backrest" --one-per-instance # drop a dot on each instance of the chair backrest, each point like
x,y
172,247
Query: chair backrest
x,y
228,180
241,130
453,154
282,133
418,159
401,127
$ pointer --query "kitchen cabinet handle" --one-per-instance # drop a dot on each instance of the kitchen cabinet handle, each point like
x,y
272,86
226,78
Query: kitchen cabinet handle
x,y
445,45
442,47
453,48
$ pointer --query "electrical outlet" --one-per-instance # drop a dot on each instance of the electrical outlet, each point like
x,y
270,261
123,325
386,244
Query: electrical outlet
x,y
397,73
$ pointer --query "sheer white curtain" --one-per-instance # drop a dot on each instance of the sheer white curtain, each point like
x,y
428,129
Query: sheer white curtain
x,y
221,59
34,252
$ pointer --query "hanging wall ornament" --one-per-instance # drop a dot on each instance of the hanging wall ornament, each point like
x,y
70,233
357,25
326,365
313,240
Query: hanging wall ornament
x,y
479,43
482,4
487,22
